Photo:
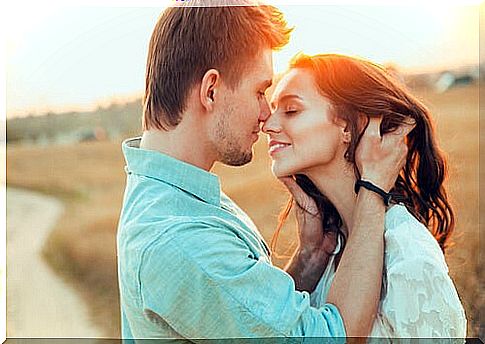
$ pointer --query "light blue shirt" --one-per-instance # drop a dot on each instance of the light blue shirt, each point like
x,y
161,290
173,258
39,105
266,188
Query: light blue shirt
x,y
192,264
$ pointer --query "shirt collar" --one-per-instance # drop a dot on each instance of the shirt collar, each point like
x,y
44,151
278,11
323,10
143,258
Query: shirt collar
x,y
153,164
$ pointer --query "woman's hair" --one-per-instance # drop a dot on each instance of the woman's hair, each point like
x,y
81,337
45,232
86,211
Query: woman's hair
x,y
358,89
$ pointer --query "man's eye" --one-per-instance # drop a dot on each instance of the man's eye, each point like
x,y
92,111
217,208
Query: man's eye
x,y
291,111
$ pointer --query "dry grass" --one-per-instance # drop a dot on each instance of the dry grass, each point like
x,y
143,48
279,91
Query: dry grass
x,y
89,177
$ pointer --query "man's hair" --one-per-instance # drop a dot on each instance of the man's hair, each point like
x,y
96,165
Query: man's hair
x,y
188,41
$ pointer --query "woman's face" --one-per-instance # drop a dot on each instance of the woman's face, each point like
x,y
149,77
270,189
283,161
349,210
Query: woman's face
x,y
303,134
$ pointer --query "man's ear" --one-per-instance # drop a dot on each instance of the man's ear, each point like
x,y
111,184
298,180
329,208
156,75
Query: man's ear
x,y
208,88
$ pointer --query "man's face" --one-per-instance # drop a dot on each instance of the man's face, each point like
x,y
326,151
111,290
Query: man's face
x,y
241,111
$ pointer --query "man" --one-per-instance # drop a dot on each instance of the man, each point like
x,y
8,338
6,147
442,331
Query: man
x,y
191,263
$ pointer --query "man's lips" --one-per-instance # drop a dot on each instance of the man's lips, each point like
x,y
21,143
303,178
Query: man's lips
x,y
255,136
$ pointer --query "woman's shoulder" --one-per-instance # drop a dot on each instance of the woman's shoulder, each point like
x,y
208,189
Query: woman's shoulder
x,y
400,223
407,239
397,216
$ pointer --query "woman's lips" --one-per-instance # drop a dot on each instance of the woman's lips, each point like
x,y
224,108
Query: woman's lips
x,y
276,147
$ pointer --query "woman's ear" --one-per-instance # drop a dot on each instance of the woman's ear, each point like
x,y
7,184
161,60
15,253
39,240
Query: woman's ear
x,y
208,89
346,135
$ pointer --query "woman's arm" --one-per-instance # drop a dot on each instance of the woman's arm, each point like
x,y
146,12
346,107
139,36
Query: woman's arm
x,y
357,284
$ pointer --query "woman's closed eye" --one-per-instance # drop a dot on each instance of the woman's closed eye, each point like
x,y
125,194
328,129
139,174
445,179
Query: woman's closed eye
x,y
291,111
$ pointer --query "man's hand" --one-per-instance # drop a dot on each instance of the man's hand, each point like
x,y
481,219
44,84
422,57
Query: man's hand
x,y
310,259
380,159
309,219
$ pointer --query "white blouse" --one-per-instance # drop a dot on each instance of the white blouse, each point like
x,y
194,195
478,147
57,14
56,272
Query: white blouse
x,y
418,297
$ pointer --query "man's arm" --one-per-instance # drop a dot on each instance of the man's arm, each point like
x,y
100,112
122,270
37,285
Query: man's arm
x,y
306,266
205,282
309,260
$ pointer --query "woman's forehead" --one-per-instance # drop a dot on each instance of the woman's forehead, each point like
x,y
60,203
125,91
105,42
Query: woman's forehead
x,y
296,81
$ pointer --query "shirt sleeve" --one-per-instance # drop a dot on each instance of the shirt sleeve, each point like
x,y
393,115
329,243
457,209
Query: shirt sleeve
x,y
206,283
421,299
126,335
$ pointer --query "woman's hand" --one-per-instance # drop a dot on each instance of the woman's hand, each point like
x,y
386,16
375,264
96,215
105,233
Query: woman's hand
x,y
380,159
310,231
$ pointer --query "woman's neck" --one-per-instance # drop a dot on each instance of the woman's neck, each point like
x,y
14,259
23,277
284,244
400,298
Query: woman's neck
x,y
337,184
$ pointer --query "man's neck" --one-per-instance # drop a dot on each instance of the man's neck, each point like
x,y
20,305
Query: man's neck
x,y
178,144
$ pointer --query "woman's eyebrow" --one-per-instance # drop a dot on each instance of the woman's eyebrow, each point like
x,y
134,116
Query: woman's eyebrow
x,y
283,98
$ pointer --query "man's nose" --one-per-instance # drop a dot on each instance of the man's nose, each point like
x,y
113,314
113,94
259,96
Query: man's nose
x,y
265,111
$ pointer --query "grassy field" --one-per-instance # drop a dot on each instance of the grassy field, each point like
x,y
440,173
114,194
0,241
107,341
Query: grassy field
x,y
89,178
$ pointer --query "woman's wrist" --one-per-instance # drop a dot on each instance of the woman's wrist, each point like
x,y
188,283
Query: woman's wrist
x,y
364,184
377,181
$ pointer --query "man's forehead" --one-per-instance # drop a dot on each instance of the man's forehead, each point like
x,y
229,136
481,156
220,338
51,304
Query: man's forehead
x,y
263,64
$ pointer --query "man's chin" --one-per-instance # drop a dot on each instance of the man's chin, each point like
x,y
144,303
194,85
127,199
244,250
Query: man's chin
x,y
240,160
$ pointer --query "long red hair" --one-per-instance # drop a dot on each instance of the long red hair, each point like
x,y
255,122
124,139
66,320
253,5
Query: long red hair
x,y
358,89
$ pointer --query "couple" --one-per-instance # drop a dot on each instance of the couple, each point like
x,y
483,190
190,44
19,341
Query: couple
x,y
356,151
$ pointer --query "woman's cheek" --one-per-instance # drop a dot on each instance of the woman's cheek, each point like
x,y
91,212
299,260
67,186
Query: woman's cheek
x,y
322,146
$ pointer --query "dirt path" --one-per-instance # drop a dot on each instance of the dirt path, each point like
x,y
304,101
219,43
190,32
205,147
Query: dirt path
x,y
39,303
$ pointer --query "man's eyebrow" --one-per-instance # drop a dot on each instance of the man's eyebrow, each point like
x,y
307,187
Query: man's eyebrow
x,y
283,98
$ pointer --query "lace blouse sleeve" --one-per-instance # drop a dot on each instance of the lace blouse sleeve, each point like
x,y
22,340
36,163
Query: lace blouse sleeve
x,y
420,297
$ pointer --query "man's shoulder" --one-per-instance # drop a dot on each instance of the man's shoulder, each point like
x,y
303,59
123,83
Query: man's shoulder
x,y
190,231
184,231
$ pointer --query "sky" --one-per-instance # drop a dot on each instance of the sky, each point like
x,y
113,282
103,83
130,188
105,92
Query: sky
x,y
71,58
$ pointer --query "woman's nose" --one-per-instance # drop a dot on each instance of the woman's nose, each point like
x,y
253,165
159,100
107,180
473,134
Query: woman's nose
x,y
271,124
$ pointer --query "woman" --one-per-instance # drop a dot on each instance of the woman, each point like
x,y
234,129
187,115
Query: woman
x,y
319,110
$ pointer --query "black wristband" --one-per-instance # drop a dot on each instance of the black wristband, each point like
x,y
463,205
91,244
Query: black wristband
x,y
387,197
